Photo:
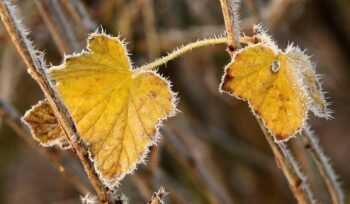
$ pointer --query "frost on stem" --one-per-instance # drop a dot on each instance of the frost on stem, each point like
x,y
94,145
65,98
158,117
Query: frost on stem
x,y
231,18
296,168
322,161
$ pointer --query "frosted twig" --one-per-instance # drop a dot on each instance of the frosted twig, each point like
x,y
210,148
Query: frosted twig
x,y
36,67
231,18
311,144
291,170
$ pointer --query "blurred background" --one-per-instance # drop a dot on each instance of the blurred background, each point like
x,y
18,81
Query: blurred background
x,y
211,152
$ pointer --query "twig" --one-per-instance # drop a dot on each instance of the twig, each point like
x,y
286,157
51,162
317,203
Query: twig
x,y
296,180
311,144
12,118
229,11
35,64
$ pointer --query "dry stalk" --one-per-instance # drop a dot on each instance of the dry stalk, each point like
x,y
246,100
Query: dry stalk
x,y
229,11
35,65
296,179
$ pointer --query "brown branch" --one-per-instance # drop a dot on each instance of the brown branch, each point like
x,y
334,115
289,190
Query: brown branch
x,y
290,169
12,118
229,11
35,65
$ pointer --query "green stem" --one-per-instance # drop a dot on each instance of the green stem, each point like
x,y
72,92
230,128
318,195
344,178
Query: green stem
x,y
182,50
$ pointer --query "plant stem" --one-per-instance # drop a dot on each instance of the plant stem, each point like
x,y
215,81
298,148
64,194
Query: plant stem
x,y
229,11
311,144
296,179
180,51
35,65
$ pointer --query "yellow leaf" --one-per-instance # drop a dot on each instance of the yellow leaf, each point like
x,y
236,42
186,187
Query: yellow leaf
x,y
44,125
265,78
117,109
301,61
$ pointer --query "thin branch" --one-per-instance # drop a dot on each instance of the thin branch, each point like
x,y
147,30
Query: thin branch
x,y
229,11
182,50
36,67
296,179
12,118
311,144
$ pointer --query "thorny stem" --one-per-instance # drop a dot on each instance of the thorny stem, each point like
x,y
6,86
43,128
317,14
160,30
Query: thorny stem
x,y
180,51
312,146
229,11
11,117
296,179
35,65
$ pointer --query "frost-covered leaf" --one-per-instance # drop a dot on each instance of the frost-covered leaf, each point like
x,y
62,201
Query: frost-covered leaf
x,y
44,125
311,81
117,110
280,86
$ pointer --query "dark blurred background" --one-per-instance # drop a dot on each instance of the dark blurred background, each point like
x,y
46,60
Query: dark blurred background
x,y
211,152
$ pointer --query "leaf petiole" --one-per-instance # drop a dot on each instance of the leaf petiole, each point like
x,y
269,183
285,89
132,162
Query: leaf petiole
x,y
182,50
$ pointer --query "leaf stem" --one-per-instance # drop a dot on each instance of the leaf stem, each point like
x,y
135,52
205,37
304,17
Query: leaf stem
x,y
180,51
36,67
